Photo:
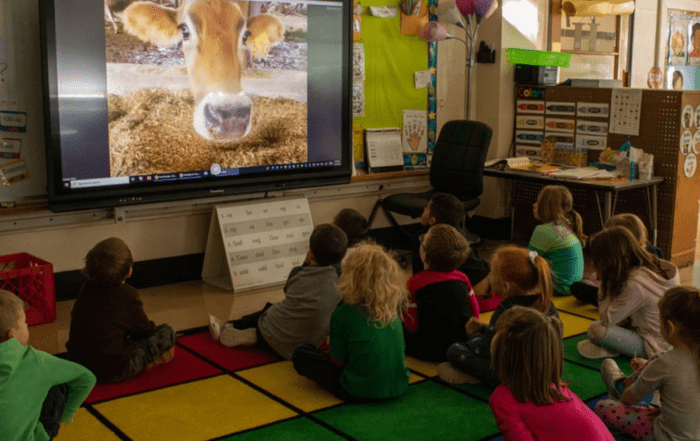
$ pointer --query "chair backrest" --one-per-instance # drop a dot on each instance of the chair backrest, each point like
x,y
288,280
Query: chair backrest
x,y
459,156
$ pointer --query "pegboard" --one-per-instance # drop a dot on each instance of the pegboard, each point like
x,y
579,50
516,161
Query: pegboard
x,y
660,134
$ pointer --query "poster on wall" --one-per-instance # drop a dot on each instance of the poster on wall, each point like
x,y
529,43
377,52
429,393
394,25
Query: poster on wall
x,y
678,43
694,42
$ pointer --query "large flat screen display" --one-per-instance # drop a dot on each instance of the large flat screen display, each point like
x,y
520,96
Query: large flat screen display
x,y
159,100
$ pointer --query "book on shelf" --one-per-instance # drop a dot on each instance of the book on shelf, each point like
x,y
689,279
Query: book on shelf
x,y
590,82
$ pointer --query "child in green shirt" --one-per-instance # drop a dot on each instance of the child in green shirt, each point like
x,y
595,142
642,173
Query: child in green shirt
x,y
37,390
367,351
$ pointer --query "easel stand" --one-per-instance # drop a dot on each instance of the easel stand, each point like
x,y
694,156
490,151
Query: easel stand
x,y
256,244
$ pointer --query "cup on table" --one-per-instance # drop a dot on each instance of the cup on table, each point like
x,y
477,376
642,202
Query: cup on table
x,y
547,149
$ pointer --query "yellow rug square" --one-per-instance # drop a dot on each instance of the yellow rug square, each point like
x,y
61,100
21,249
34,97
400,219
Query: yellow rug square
x,y
485,317
573,324
198,410
85,427
426,368
281,380
570,304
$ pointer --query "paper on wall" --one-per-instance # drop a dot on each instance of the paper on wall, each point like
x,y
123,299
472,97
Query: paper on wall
x,y
415,130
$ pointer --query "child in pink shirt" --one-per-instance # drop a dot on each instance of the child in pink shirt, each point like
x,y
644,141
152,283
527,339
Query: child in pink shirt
x,y
533,403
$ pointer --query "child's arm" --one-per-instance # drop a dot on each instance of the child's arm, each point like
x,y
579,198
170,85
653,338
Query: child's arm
x,y
138,324
473,326
649,378
79,380
507,416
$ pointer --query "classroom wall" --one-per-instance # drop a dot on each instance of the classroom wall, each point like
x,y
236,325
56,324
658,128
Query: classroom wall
x,y
517,23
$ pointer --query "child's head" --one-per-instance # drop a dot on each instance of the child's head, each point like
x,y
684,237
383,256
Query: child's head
x,y
515,271
555,204
527,353
679,310
328,244
372,279
443,248
633,223
615,252
13,321
444,208
353,224
109,262
695,36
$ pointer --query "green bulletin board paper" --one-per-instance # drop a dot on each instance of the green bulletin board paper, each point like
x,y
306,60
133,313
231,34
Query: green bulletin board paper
x,y
390,61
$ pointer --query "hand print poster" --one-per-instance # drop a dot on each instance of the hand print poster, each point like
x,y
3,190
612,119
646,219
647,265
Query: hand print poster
x,y
415,129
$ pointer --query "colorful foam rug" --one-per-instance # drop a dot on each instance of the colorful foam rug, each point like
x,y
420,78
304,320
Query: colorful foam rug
x,y
211,392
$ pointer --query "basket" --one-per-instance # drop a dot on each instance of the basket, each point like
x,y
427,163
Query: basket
x,y
31,279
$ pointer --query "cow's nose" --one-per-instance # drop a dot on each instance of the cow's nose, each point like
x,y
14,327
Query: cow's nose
x,y
223,114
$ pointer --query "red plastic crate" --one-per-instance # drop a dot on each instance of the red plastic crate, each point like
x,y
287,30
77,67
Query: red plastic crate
x,y
31,279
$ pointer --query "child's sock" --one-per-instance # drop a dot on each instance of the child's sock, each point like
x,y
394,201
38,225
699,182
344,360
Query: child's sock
x,y
164,358
231,336
214,327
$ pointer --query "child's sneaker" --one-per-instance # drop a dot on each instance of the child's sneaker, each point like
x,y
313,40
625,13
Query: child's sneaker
x,y
214,327
591,350
452,375
231,336
612,375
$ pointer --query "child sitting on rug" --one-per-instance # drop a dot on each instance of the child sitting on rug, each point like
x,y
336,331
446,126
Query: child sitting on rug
x,y
523,278
560,238
533,402
587,291
632,282
110,333
354,225
367,359
37,391
441,299
309,299
445,208
675,374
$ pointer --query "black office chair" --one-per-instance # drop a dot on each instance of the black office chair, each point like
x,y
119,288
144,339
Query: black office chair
x,y
457,168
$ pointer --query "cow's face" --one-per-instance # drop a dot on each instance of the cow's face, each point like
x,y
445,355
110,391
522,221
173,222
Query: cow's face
x,y
212,33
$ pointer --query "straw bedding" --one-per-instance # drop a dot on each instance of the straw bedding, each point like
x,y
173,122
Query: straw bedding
x,y
151,132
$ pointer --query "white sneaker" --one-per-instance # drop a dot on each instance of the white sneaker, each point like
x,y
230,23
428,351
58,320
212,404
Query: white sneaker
x,y
231,336
591,350
214,327
452,375
611,373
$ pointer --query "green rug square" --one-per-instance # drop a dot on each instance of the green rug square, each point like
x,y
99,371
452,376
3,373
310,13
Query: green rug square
x,y
427,410
585,382
298,429
478,390
571,354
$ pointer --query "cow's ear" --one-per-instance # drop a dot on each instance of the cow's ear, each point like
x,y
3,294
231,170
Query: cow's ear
x,y
152,24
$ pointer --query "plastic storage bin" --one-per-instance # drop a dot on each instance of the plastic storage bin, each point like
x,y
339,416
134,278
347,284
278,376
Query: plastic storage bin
x,y
32,280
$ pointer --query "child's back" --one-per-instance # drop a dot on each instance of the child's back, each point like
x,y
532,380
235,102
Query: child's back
x,y
375,355
103,322
305,313
441,300
26,375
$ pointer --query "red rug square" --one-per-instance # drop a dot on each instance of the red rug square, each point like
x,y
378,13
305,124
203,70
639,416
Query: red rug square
x,y
184,367
231,359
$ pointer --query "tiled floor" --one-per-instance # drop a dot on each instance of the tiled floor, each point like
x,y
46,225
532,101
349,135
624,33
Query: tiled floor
x,y
212,392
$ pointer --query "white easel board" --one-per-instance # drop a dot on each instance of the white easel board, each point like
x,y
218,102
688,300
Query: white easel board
x,y
256,244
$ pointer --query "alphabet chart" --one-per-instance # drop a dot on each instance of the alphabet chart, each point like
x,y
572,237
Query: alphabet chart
x,y
259,241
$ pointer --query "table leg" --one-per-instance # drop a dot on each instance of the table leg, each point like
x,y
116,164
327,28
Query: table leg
x,y
608,207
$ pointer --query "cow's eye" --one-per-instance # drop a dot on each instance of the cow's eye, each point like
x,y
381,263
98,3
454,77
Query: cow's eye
x,y
185,31
246,34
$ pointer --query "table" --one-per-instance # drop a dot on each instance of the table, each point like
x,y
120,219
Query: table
x,y
608,189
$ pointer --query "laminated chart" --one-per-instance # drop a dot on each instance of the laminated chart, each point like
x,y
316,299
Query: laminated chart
x,y
259,242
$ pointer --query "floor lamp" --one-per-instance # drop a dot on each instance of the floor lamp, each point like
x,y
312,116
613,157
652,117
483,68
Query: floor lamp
x,y
468,15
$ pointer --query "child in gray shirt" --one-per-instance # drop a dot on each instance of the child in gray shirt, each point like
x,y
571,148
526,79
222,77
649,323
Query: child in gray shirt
x,y
674,374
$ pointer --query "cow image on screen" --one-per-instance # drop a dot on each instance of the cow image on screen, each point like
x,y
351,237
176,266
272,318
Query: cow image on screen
x,y
213,34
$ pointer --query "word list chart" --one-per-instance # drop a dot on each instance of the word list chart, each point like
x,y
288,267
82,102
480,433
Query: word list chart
x,y
263,241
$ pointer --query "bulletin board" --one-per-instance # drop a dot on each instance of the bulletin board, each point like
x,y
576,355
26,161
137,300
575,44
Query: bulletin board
x,y
391,59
